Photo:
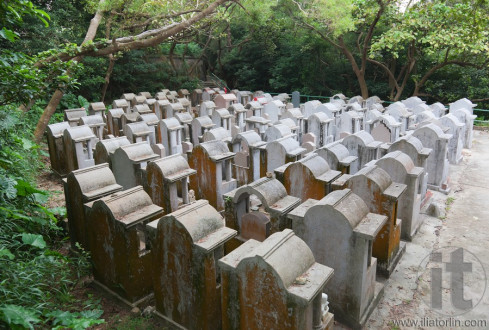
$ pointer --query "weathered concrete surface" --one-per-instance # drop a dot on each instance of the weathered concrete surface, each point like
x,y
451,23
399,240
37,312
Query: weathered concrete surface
x,y
466,225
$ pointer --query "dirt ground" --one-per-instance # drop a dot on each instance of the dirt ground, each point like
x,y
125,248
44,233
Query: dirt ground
x,y
463,222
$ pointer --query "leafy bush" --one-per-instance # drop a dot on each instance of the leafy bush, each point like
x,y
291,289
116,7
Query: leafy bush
x,y
35,279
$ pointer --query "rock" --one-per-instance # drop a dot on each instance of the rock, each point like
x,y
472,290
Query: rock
x,y
135,310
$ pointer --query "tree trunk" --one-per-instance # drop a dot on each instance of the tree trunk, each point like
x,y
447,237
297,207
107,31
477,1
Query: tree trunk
x,y
107,76
46,115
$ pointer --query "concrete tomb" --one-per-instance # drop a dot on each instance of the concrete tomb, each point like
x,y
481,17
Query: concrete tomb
x,y
168,180
309,177
123,104
96,124
206,108
104,149
309,108
339,229
282,151
79,142
57,154
212,161
186,246
129,164
222,118
363,146
432,137
402,169
257,124
247,145
244,97
254,108
185,119
130,98
184,93
122,261
257,210
218,134
274,110
351,122
412,102
321,125
114,121
198,127
260,292
196,97
84,186
438,109
97,108
159,108
152,121
73,116
456,144
171,135
139,132
224,100
412,146
185,104
238,112
338,157
400,112
462,104
464,116
388,129
276,132
381,195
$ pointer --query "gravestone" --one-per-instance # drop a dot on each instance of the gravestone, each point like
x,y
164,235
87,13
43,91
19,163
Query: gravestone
x,y
121,259
296,99
282,151
104,149
363,146
78,145
321,125
168,182
96,124
259,293
247,145
339,230
97,108
198,127
412,146
276,132
307,178
73,116
432,137
122,104
381,195
206,108
57,154
456,144
129,164
337,156
171,135
212,161
224,100
139,132
114,121
186,246
402,169
84,186
218,134
274,204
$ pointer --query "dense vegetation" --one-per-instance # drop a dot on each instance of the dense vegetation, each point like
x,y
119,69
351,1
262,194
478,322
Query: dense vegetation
x,y
57,54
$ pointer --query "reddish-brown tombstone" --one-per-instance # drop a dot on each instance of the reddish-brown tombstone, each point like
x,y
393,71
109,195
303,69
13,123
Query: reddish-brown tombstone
x,y
186,246
121,261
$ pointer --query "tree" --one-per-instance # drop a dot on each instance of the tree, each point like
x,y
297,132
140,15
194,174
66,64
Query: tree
x,y
429,36
335,21
131,25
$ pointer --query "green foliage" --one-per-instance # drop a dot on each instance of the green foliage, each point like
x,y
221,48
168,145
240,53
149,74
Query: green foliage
x,y
35,279
12,15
